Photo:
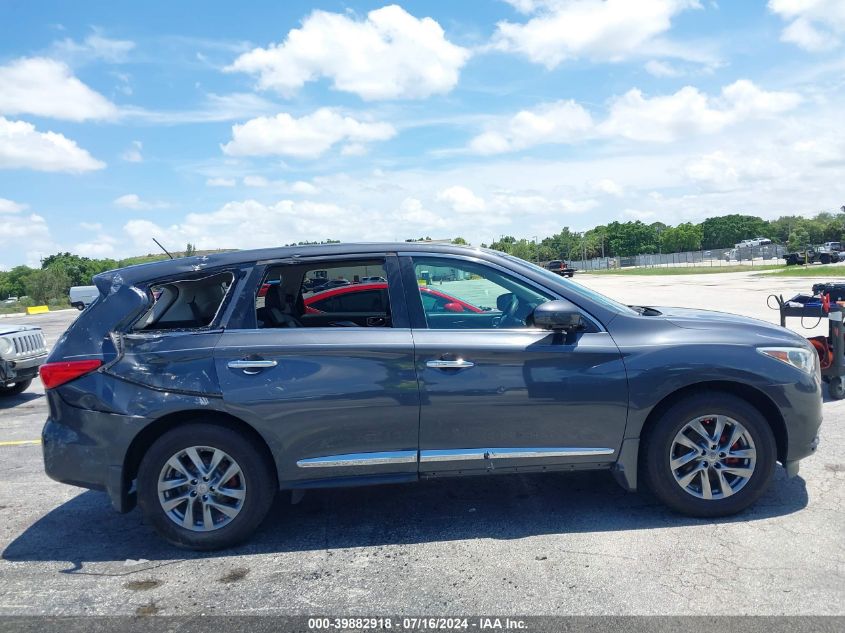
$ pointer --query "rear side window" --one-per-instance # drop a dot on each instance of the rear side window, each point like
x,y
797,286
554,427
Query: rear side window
x,y
186,303
333,293
363,301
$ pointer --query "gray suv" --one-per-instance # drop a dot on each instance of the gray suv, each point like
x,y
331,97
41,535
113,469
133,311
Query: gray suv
x,y
22,351
200,387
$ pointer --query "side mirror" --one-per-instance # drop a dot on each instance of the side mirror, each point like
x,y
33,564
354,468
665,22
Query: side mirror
x,y
558,315
453,307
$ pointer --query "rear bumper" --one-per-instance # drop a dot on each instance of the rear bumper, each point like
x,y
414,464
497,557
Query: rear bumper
x,y
88,449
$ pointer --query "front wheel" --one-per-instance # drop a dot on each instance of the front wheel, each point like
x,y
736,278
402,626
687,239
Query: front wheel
x,y
205,486
15,388
709,455
836,387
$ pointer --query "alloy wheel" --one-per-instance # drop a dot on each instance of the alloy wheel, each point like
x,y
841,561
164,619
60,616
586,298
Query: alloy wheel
x,y
712,457
201,488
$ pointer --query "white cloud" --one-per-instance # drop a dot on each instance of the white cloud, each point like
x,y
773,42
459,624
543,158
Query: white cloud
x,y
10,206
94,47
661,69
389,55
255,181
220,182
608,187
251,224
305,137
725,171
132,154
604,30
91,226
304,188
559,122
638,214
461,199
45,87
22,146
133,201
32,228
228,107
413,214
814,25
689,111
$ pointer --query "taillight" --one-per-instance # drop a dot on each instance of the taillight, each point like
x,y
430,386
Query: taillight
x,y
55,374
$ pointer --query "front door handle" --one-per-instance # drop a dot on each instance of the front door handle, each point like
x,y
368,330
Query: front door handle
x,y
251,366
449,364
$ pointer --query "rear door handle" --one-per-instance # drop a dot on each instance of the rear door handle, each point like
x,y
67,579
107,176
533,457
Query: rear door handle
x,y
449,364
251,366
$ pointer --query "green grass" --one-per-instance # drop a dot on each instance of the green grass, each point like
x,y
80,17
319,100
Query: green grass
x,y
813,270
21,309
683,270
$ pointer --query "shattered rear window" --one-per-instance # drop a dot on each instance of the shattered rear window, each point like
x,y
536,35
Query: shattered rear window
x,y
186,303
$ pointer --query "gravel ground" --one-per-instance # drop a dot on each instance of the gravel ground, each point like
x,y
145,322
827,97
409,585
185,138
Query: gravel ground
x,y
543,544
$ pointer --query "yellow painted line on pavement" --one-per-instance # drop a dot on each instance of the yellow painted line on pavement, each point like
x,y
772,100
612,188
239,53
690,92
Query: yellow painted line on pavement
x,y
20,442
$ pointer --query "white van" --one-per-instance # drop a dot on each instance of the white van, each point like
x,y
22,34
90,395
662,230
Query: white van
x,y
82,296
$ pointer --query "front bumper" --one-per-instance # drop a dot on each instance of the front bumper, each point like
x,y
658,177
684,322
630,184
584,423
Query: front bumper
x,y
800,405
23,369
88,449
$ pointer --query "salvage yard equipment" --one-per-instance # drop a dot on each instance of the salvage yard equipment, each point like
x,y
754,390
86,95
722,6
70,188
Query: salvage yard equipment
x,y
824,303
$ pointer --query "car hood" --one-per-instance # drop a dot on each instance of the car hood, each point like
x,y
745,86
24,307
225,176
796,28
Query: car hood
x,y
724,321
11,328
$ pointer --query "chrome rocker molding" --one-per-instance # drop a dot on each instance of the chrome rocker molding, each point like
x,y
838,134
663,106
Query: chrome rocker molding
x,y
359,459
462,454
449,455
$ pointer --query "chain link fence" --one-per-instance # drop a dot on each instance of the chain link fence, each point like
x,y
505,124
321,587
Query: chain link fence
x,y
750,256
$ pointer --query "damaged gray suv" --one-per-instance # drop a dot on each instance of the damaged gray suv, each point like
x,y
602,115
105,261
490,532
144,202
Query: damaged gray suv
x,y
200,387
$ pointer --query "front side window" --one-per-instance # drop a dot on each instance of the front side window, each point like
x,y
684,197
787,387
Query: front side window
x,y
457,294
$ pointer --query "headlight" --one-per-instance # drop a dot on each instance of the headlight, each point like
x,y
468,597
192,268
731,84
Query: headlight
x,y
798,357
6,346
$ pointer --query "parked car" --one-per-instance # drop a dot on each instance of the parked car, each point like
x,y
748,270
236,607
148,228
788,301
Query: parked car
x,y
371,280
22,351
82,296
560,267
754,242
363,297
199,410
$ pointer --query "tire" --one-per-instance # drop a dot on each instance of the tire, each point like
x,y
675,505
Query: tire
x,y
78,305
660,444
15,388
255,483
836,387
824,259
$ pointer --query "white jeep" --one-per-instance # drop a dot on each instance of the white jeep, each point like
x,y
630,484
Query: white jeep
x,y
22,351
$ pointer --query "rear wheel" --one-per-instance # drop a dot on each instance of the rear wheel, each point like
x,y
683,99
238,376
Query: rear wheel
x,y
15,388
205,486
709,455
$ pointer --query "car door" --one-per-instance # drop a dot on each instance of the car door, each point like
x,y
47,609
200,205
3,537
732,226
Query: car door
x,y
499,394
333,401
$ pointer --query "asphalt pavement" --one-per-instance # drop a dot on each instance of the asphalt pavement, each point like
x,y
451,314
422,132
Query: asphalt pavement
x,y
541,544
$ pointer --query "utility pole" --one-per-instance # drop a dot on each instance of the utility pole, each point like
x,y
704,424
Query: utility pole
x,y
536,251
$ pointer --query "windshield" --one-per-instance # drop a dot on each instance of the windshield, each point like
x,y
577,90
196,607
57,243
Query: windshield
x,y
571,286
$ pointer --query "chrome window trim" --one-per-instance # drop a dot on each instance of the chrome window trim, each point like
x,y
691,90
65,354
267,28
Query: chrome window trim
x,y
507,271
359,459
465,454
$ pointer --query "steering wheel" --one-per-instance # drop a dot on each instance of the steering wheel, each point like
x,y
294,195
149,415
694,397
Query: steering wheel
x,y
509,316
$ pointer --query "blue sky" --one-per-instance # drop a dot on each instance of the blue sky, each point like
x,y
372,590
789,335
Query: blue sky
x,y
254,124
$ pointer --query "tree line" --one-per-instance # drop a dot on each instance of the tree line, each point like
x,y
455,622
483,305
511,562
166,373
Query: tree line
x,y
622,239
